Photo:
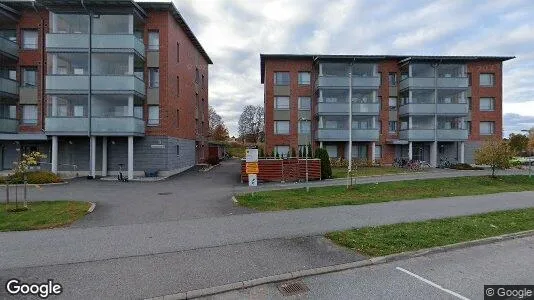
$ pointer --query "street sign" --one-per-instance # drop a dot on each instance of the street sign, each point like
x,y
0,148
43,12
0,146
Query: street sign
x,y
251,155
252,168
252,180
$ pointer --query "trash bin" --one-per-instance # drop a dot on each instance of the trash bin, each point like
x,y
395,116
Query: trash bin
x,y
151,173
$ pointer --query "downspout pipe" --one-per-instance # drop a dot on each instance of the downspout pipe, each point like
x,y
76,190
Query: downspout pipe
x,y
42,73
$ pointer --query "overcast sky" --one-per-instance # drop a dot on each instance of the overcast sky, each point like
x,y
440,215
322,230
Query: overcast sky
x,y
235,32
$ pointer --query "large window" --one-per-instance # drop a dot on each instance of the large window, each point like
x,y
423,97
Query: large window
x,y
392,126
304,78
281,127
378,152
487,104
487,79
153,77
112,24
392,103
281,78
281,103
29,39
29,114
70,23
153,40
304,103
392,78
138,111
8,111
282,151
29,77
68,64
487,128
110,64
332,150
304,127
67,106
153,115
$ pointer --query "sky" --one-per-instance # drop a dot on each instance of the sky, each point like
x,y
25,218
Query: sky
x,y
235,32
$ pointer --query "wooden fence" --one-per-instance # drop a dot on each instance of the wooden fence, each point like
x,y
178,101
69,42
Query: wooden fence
x,y
285,170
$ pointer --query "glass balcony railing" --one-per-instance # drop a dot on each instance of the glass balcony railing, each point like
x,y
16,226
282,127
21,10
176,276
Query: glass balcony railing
x,y
55,41
9,125
9,48
108,83
432,108
343,134
9,87
343,81
431,82
428,134
342,108
116,125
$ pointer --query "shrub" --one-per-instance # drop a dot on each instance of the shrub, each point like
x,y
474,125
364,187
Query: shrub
x,y
213,160
326,169
465,167
38,177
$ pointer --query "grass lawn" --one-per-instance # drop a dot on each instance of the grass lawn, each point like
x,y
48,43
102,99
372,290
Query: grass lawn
x,y
384,192
367,171
41,215
389,239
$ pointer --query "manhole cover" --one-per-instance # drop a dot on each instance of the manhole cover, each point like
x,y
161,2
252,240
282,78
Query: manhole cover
x,y
164,193
292,288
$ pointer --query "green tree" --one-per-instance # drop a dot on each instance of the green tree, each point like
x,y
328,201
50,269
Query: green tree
x,y
518,143
530,145
326,169
260,152
495,153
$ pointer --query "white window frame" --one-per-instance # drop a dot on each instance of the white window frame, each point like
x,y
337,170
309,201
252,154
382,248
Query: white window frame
x,y
304,129
492,128
389,127
392,105
282,83
378,152
277,104
29,114
491,77
301,78
30,43
153,44
153,115
491,103
153,82
279,149
278,128
301,100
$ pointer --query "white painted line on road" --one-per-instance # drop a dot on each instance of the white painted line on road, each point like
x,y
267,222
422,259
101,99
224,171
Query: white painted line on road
x,y
433,284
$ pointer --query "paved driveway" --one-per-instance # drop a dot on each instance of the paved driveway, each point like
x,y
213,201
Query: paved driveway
x,y
189,195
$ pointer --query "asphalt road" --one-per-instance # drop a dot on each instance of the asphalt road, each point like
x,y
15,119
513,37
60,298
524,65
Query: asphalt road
x,y
459,273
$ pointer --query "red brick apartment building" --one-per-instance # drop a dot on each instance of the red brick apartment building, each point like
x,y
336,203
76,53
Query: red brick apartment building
x,y
430,108
102,85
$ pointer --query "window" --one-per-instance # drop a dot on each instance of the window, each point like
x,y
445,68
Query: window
x,y
305,150
281,103
470,103
177,52
29,114
29,77
283,151
8,111
281,127
332,150
392,103
79,111
178,86
153,115
304,103
378,152
469,79
392,78
487,104
304,78
138,112
305,127
487,128
392,126
29,39
281,78
468,125
153,77
487,79
153,40
177,150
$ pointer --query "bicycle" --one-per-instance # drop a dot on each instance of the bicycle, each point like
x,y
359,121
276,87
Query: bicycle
x,y
120,177
444,163
414,165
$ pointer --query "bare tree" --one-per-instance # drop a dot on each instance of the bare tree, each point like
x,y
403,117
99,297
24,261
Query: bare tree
x,y
251,123
214,119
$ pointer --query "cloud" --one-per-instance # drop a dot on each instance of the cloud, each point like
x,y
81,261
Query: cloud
x,y
514,123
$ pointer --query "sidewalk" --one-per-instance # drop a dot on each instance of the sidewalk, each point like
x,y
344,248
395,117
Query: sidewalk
x,y
60,246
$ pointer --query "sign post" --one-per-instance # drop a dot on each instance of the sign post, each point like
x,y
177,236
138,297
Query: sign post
x,y
252,167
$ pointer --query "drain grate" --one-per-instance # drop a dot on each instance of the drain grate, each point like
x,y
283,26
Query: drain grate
x,y
292,288
164,193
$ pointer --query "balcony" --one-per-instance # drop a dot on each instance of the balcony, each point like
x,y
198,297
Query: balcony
x,y
343,81
67,84
417,83
343,135
105,126
66,41
453,82
8,87
341,108
428,134
453,108
105,42
116,84
8,48
9,125
418,109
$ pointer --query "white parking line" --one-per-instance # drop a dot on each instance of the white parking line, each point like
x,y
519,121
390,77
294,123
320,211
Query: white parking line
x,y
432,284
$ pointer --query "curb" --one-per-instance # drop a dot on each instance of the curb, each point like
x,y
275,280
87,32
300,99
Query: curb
x,y
36,184
91,208
341,267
